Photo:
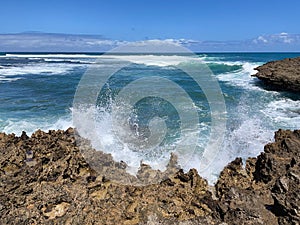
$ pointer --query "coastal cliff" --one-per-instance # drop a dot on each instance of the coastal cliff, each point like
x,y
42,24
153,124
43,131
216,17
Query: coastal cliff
x,y
281,75
44,179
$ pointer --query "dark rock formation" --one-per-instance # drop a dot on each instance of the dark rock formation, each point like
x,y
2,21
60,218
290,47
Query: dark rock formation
x,y
281,75
44,179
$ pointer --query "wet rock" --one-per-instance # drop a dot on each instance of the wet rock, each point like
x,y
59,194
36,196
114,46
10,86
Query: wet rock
x,y
281,74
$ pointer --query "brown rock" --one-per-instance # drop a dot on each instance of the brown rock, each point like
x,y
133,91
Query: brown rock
x,y
61,188
281,75
56,211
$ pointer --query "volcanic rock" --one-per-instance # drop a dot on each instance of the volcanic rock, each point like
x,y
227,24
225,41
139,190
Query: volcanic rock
x,y
281,74
44,179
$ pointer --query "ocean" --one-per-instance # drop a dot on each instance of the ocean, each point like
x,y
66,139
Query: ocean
x,y
37,92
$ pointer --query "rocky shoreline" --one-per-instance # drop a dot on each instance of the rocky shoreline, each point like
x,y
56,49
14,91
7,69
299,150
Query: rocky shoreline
x,y
281,75
44,179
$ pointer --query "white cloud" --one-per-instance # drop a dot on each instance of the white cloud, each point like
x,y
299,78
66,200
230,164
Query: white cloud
x,y
53,42
260,39
68,42
278,39
95,43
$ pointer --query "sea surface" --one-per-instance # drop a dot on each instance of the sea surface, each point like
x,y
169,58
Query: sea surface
x,y
37,92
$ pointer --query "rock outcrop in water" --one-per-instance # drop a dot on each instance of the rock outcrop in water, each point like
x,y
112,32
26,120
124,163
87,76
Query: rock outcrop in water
x,y
45,180
281,75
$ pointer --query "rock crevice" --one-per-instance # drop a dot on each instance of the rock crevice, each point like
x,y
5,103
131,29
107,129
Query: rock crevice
x,y
44,179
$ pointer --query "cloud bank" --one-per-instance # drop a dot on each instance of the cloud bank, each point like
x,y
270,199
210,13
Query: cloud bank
x,y
50,42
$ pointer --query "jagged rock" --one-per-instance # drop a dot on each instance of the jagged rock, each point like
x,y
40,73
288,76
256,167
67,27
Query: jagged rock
x,y
60,187
267,191
281,74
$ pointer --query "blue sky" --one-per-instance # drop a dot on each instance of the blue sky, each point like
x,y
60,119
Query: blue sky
x,y
142,19
202,25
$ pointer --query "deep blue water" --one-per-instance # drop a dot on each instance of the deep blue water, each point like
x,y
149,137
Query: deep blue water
x,y
37,92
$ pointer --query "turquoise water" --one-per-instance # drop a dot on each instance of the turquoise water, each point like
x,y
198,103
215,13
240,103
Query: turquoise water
x,y
37,91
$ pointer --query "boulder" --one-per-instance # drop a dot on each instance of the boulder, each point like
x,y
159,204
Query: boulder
x,y
281,75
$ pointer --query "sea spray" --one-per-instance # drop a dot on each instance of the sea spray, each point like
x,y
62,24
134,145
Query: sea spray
x,y
37,93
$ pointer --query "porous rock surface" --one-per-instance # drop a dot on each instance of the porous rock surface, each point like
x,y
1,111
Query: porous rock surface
x,y
281,75
44,179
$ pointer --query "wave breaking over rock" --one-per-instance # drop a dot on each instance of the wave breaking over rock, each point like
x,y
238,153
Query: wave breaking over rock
x,y
44,179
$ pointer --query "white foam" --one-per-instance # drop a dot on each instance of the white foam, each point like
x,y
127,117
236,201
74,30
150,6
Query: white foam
x,y
37,68
156,60
106,136
103,137
7,79
285,113
31,125
37,56
68,60
148,60
241,78
247,140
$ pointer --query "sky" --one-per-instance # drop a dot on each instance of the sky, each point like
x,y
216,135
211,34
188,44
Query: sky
x,y
134,20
